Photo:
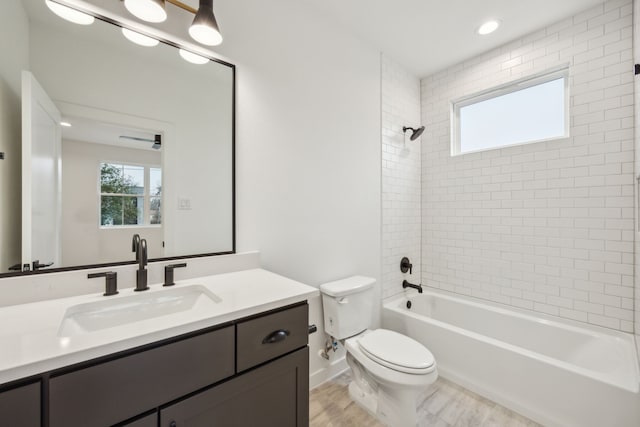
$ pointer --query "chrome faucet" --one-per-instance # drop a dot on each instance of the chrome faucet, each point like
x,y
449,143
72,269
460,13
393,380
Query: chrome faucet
x,y
139,246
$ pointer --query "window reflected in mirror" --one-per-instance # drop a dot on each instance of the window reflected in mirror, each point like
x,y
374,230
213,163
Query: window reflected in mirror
x,y
130,195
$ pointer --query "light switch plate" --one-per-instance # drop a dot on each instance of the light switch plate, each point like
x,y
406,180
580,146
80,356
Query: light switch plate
x,y
184,204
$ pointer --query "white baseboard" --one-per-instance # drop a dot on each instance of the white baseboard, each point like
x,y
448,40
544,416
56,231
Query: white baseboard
x,y
335,368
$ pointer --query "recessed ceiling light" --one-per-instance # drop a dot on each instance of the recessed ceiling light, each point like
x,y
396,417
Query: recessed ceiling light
x,y
70,14
138,38
488,27
193,57
65,124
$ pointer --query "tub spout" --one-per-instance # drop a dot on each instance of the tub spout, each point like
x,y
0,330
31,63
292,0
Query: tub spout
x,y
406,284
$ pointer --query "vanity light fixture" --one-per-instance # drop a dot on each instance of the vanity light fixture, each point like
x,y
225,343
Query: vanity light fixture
x,y
65,124
70,14
194,58
204,28
147,10
139,39
488,27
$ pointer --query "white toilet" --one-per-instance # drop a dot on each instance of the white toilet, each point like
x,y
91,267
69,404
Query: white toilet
x,y
389,369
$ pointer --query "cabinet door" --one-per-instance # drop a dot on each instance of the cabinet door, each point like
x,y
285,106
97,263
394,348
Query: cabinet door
x,y
20,407
276,394
148,421
119,389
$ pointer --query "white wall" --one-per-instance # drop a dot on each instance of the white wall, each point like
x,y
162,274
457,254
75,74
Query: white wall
x,y
636,60
308,142
14,52
80,202
547,226
401,220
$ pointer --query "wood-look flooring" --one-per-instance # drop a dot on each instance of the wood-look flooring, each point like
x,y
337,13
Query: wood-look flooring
x,y
444,404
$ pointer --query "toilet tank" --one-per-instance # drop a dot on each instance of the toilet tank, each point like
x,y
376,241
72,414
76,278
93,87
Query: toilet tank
x,y
347,306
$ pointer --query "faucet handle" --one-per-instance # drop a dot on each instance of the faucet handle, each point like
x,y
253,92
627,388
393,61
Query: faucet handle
x,y
168,273
405,265
111,282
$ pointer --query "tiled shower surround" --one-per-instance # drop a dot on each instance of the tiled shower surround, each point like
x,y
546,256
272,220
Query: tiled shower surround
x,y
636,56
400,176
547,226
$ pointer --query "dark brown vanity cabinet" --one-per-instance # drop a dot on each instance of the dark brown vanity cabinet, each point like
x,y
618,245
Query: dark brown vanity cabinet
x,y
20,406
249,372
276,394
272,390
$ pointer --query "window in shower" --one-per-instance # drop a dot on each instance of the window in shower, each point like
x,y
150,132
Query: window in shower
x,y
533,109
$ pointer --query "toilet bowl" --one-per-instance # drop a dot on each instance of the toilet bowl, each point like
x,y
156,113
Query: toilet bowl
x,y
389,369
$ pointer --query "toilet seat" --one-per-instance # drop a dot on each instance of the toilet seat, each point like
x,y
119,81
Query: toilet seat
x,y
397,352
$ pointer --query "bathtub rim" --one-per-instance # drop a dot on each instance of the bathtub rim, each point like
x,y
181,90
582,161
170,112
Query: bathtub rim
x,y
395,304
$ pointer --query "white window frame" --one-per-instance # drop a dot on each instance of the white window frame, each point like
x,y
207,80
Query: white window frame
x,y
146,195
507,88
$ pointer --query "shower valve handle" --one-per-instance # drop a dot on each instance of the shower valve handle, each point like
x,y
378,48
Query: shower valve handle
x,y
405,265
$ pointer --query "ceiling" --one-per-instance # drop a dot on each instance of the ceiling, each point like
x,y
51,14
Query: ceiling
x,y
425,36
429,35
87,130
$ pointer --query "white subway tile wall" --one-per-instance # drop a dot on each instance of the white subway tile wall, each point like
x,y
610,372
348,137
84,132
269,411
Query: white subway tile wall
x,y
636,56
549,226
400,176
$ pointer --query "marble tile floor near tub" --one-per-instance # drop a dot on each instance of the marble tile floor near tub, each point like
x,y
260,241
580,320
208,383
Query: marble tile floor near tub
x,y
444,404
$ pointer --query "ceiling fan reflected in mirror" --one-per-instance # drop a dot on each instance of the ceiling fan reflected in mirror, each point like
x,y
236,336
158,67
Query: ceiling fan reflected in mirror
x,y
157,140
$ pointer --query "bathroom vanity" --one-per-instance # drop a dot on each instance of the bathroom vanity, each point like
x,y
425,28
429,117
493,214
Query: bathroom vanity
x,y
245,363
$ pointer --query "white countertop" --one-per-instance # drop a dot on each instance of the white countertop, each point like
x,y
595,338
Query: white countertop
x,y
30,341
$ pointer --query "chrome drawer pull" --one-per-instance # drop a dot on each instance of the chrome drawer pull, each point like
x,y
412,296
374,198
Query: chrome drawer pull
x,y
276,336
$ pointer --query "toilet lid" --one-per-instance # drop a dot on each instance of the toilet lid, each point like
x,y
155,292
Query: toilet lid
x,y
396,351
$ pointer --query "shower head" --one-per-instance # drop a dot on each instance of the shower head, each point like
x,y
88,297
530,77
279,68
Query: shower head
x,y
415,133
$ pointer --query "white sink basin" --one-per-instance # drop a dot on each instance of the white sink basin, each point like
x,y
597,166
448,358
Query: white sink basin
x,y
108,313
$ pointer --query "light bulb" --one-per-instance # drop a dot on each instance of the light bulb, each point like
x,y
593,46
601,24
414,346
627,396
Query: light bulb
x,y
147,10
70,14
204,28
193,57
138,38
205,34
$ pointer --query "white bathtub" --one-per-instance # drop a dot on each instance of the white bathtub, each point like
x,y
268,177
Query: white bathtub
x,y
556,372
